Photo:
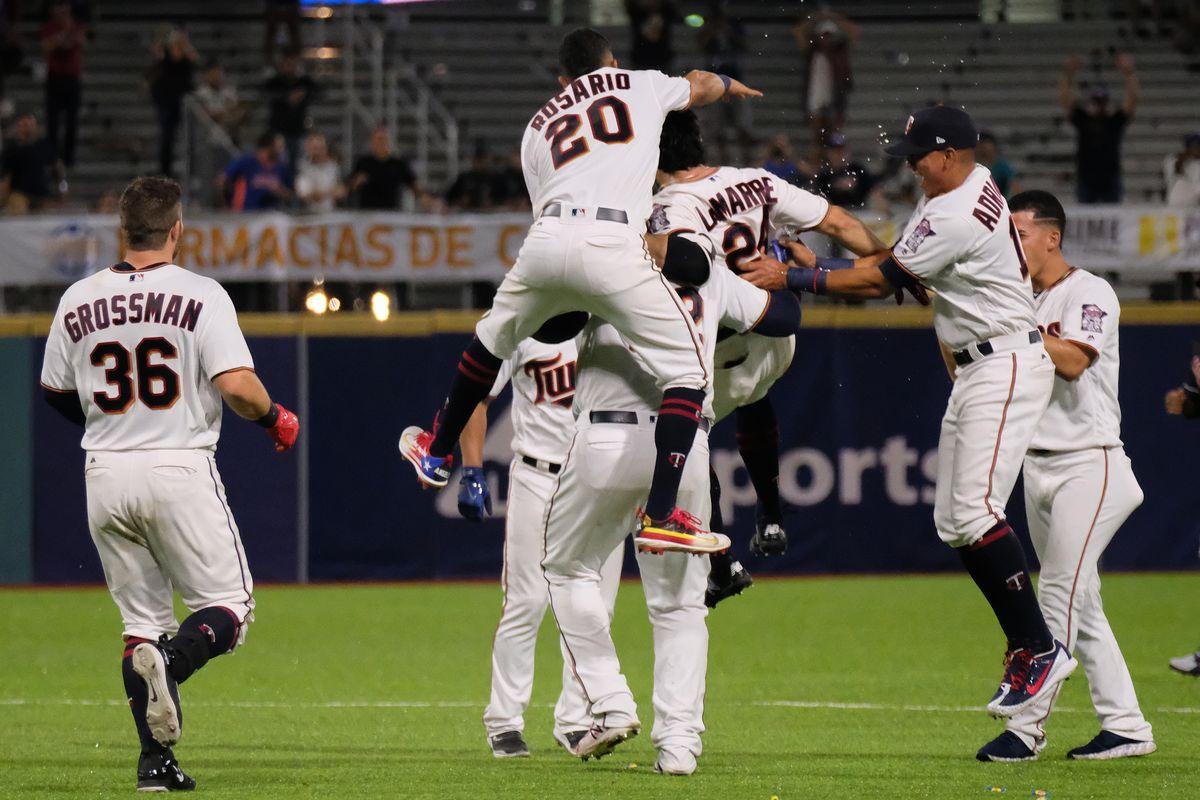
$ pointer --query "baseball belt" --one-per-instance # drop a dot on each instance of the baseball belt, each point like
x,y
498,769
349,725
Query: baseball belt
x,y
974,352
544,466
630,418
602,214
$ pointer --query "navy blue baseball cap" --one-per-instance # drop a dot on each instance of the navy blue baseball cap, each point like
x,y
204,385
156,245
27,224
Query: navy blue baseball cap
x,y
935,128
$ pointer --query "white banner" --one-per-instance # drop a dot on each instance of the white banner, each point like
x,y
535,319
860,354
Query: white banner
x,y
1149,241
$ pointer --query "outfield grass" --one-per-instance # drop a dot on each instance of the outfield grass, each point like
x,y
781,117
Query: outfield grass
x,y
377,691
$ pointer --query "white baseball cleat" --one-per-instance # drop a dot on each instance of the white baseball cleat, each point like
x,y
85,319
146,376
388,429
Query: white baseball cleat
x,y
1188,665
675,761
600,741
162,704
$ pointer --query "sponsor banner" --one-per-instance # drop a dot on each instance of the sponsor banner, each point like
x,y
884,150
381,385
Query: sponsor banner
x,y
364,246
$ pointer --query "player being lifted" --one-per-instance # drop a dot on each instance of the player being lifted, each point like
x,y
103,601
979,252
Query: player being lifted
x,y
141,355
589,157
740,210
961,243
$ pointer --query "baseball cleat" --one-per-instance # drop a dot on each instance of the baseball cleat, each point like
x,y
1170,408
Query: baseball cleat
x,y
569,739
1006,747
1028,676
1107,746
509,744
675,762
727,584
163,714
160,772
770,539
600,741
678,533
1188,665
432,472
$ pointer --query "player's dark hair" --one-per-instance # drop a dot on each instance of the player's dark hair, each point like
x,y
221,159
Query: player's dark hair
x,y
583,50
681,144
1045,208
149,208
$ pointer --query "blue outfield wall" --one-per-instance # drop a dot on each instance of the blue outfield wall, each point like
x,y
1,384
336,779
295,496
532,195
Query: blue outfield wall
x,y
859,415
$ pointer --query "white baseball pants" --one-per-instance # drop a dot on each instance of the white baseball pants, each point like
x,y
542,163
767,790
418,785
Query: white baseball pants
x,y
1076,501
526,597
160,521
568,264
994,410
759,361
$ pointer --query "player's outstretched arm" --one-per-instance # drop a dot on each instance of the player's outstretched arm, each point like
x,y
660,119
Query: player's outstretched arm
x,y
850,232
865,281
248,398
709,87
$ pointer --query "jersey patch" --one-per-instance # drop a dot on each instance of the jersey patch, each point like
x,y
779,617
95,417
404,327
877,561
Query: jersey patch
x,y
923,231
658,219
1093,318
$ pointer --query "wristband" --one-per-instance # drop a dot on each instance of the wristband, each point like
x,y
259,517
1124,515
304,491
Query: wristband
x,y
803,279
269,419
834,263
726,80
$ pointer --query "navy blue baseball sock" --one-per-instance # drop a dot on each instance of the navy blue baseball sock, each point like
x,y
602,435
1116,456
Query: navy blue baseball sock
x,y
678,419
997,563
719,563
477,370
206,634
758,442
138,696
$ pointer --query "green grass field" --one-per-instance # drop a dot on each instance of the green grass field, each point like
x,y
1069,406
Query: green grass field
x,y
821,688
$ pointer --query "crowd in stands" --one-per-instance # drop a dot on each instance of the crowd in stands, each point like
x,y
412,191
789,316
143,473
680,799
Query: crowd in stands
x,y
293,166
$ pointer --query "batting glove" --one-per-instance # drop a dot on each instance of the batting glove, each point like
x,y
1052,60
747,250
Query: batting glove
x,y
474,497
282,426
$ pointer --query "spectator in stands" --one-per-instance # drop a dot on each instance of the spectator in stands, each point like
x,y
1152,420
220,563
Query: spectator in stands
x,y
825,39
287,14
987,152
474,188
30,170
219,99
290,91
171,78
1099,130
842,180
511,191
260,180
62,46
319,179
723,40
379,177
781,161
650,23
1181,172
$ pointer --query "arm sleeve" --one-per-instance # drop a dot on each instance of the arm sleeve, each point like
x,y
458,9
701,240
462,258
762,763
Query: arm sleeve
x,y
57,372
221,345
674,94
66,404
794,207
1091,316
745,303
932,243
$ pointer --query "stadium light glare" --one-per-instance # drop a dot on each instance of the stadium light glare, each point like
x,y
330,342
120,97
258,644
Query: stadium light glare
x,y
335,304
381,306
317,301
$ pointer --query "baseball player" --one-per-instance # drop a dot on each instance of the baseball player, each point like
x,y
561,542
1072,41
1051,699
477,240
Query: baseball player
x,y
141,355
1079,488
592,509
961,244
543,383
1185,401
589,156
740,211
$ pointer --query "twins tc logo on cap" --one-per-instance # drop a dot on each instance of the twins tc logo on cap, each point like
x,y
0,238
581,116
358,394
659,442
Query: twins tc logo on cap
x,y
908,125
1093,318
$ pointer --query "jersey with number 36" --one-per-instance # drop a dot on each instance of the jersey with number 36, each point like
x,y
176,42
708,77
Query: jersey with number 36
x,y
141,349
595,143
963,246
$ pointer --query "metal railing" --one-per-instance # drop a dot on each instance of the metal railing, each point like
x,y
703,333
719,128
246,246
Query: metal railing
x,y
435,125
361,41
206,149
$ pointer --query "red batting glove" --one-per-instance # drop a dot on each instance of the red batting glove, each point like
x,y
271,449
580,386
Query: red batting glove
x,y
285,430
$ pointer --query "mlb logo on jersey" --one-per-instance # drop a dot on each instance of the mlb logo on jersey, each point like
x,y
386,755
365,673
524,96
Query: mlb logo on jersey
x,y
578,212
137,277
1093,318
919,234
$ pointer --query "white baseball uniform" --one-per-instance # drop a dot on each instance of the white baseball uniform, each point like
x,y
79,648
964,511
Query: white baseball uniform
x,y
1079,489
964,247
593,510
141,349
543,382
739,210
589,157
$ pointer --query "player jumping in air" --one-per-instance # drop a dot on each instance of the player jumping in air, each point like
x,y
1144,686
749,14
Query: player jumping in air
x,y
140,355
961,243
589,157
